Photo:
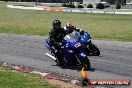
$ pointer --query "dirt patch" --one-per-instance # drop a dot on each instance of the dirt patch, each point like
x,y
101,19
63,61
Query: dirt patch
x,y
62,84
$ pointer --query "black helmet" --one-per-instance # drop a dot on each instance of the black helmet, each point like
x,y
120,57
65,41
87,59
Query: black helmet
x,y
56,23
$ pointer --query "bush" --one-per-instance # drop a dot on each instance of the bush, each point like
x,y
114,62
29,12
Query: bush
x,y
118,6
100,6
71,5
90,6
68,5
80,6
64,5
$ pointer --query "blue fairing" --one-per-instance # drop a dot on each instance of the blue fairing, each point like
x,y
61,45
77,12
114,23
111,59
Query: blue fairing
x,y
47,44
86,37
73,42
72,47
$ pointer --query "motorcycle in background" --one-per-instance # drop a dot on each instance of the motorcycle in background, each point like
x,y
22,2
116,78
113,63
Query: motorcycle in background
x,y
87,46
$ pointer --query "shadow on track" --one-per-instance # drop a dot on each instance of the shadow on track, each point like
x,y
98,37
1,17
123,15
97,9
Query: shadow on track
x,y
78,68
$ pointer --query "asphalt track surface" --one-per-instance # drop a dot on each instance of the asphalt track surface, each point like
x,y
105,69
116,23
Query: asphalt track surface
x,y
115,61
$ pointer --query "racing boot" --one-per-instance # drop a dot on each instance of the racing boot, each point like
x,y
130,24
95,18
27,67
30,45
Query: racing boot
x,y
60,60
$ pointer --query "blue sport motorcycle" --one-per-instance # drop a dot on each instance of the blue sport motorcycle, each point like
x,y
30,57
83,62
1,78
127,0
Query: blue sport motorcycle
x,y
71,51
87,46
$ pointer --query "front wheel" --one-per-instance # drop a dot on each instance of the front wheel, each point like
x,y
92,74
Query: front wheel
x,y
94,50
86,63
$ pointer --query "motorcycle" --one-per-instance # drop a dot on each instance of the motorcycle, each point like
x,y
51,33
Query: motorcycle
x,y
71,51
87,45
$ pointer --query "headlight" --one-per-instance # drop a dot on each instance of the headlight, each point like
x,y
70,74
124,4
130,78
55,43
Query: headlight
x,y
70,51
82,54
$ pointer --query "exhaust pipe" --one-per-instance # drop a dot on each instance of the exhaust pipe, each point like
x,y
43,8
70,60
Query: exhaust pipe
x,y
52,57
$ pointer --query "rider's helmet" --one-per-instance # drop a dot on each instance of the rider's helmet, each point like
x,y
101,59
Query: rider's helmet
x,y
69,25
56,24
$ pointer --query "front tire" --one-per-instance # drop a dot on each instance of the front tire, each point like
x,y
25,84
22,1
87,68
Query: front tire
x,y
86,63
94,50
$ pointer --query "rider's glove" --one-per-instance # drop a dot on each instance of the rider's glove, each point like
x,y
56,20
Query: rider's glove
x,y
64,41
81,32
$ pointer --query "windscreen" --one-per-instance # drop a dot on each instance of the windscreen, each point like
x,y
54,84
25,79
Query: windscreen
x,y
72,37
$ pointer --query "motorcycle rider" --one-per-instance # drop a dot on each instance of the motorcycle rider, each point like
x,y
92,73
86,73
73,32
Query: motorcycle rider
x,y
70,28
56,36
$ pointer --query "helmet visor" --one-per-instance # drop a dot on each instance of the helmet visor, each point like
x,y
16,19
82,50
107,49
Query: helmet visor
x,y
57,26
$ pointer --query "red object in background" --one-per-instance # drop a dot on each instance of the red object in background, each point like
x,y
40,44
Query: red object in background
x,y
23,70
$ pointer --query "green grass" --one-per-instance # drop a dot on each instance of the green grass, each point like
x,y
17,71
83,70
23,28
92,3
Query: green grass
x,y
18,80
115,27
119,10
17,3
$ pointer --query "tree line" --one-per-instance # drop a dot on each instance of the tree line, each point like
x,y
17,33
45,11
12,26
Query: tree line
x,y
67,1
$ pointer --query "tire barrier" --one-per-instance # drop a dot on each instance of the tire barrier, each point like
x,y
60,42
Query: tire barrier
x,y
54,9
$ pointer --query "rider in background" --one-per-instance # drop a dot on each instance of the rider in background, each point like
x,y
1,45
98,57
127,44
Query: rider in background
x,y
69,28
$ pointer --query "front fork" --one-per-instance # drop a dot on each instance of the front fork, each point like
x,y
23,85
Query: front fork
x,y
80,58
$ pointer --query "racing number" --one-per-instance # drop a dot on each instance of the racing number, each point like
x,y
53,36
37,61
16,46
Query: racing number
x,y
77,45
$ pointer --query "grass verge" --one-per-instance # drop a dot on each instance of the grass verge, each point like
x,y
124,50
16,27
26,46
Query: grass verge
x,y
113,27
13,79
9,79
